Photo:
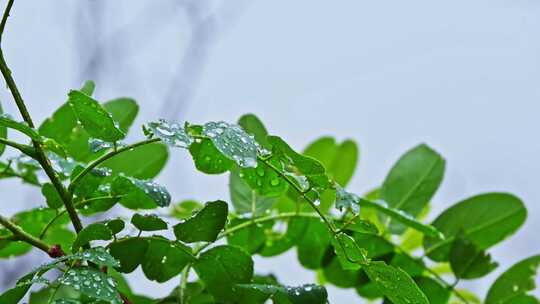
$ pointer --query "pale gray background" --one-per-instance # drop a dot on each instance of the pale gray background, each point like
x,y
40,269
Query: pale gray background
x,y
462,76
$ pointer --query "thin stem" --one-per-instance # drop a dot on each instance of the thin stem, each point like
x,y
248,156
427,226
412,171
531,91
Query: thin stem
x,y
105,157
348,223
5,17
61,213
183,284
40,154
25,149
329,224
21,235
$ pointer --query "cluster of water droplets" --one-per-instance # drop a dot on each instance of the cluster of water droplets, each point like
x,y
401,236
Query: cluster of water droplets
x,y
93,283
98,256
66,301
62,165
233,142
156,192
97,145
35,280
170,133
346,200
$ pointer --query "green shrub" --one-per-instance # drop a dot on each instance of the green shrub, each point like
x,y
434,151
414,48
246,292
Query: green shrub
x,y
282,199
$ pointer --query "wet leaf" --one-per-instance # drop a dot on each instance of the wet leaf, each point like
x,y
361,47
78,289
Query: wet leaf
x,y
92,283
233,142
164,259
205,225
222,268
140,194
148,222
94,118
305,294
172,134
514,284
395,284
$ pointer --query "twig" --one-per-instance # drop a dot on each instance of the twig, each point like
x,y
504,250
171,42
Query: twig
x,y
105,157
25,149
21,235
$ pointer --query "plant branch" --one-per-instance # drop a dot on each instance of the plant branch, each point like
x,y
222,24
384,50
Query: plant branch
x,y
328,223
5,17
105,157
25,149
61,213
21,235
40,153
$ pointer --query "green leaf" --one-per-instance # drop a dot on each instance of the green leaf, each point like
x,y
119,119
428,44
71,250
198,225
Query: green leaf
x,y
264,179
485,219
335,274
222,268
233,142
17,293
395,284
246,200
350,255
90,182
123,110
305,294
97,255
205,225
88,87
254,126
469,262
130,252
140,194
92,283
373,245
340,160
150,160
208,158
435,292
250,239
7,121
60,125
94,118
148,222
512,286
185,209
312,247
278,242
115,225
92,232
412,182
299,164
403,218
170,133
52,197
165,259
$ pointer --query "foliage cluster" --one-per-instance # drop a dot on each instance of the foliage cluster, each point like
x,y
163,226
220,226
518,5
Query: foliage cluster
x,y
281,199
